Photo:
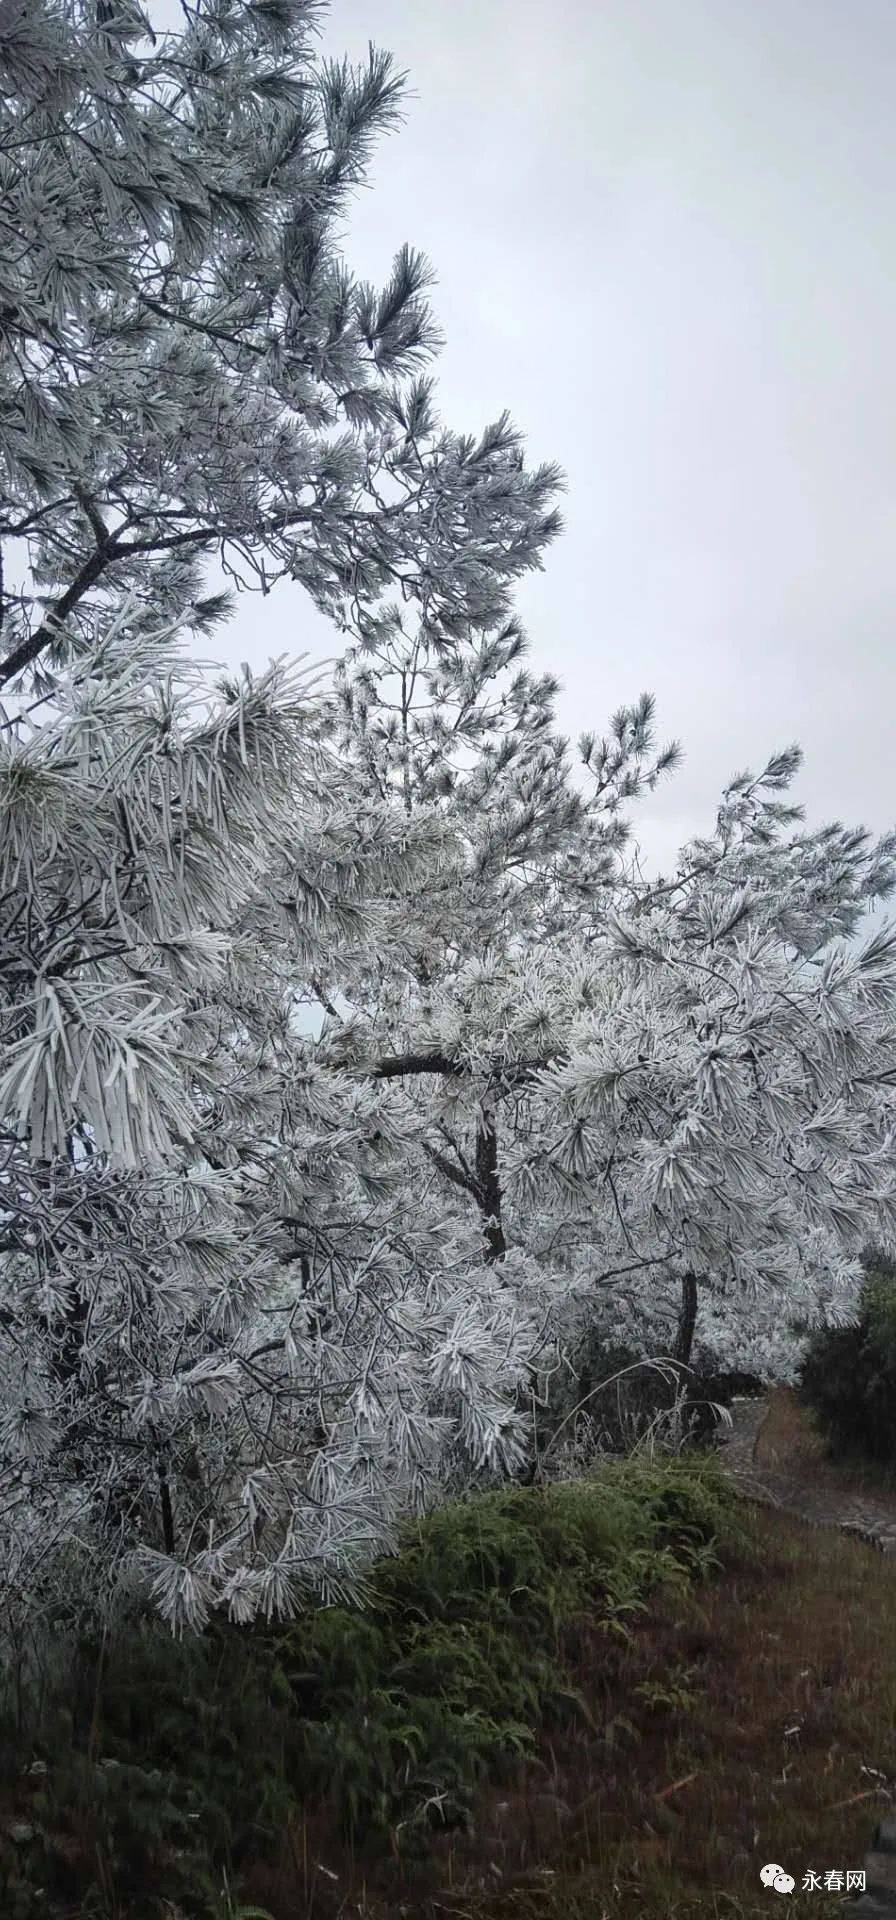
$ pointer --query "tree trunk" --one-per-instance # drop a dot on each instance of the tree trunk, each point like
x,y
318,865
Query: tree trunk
x,y
489,1185
687,1319
166,1507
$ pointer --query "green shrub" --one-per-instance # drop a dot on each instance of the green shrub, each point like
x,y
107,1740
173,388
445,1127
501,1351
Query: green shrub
x,y
848,1376
460,1659
183,1760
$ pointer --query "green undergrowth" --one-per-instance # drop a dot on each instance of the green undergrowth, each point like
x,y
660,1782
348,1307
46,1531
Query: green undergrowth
x,y
848,1377
167,1774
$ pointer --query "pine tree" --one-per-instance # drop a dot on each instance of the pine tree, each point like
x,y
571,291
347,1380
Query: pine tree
x,y
587,1047
461,732
187,365
229,1353
259,1292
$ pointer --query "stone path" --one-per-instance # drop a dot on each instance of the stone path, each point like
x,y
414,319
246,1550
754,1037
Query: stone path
x,y
793,1492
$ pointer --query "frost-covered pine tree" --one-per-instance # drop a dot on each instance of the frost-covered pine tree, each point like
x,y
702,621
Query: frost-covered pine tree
x,y
641,1086
447,719
721,1100
188,366
230,1348
247,1308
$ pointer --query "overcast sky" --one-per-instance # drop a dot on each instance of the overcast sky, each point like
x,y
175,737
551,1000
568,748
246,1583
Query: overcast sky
x,y
662,231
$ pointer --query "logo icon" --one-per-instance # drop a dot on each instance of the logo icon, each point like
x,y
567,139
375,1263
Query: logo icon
x,y
772,1876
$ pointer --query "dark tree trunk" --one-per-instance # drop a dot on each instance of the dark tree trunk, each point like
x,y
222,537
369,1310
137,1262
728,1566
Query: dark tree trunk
x,y
167,1509
489,1185
687,1319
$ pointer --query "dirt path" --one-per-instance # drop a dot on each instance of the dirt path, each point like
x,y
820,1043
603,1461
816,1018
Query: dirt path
x,y
774,1456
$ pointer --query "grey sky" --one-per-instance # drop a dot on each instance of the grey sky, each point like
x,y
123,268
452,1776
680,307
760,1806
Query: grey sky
x,y
662,234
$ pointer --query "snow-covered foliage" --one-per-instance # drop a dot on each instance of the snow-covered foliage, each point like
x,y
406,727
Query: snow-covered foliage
x,y
188,366
260,1291
228,1346
676,1093
228,1342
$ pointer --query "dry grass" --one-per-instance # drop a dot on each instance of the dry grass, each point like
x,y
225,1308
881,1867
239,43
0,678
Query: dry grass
x,y
754,1723
788,1438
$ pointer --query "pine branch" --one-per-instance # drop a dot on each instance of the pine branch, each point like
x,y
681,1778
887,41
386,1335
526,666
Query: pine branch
x,y
28,650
